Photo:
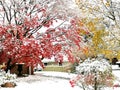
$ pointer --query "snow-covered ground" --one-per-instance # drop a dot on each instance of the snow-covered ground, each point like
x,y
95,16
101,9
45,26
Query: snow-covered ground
x,y
44,81
51,81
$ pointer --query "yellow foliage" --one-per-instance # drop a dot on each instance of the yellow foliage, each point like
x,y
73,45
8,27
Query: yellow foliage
x,y
92,52
97,41
107,53
118,54
92,23
97,38
97,29
81,30
85,50
91,26
107,3
77,1
80,23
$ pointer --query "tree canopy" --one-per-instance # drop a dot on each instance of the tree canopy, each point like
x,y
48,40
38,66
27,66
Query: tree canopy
x,y
28,34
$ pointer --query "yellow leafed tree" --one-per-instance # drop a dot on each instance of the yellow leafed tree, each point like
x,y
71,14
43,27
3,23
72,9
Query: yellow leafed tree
x,y
103,13
97,45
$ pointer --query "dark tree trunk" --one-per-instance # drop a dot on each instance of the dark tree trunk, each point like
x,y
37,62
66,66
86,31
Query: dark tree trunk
x,y
8,66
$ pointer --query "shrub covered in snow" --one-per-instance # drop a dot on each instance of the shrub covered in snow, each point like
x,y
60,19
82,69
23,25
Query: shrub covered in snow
x,y
93,74
6,77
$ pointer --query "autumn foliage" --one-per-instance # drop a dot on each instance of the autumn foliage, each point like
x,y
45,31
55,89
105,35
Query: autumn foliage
x,y
22,38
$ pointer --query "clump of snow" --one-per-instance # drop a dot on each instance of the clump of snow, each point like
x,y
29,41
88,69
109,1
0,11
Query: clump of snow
x,y
94,65
115,67
94,73
6,77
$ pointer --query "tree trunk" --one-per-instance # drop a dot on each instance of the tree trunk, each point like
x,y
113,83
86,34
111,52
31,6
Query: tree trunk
x,y
95,86
8,66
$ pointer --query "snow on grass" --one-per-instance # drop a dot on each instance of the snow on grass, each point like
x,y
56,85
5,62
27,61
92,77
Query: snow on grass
x,y
44,80
63,75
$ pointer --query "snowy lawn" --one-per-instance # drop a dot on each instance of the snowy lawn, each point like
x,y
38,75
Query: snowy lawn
x,y
50,81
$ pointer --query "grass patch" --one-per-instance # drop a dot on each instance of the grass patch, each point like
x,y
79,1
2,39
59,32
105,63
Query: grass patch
x,y
66,67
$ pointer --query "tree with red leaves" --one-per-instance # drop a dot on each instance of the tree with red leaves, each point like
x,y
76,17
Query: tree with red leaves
x,y
27,33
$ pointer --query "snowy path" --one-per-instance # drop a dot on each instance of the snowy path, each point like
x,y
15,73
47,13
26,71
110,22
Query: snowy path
x,y
49,81
44,80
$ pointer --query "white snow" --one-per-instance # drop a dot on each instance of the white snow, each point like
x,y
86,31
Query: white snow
x,y
38,81
58,74
44,80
